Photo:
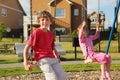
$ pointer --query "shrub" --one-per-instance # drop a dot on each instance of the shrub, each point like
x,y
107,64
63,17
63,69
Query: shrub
x,y
118,27
74,34
2,30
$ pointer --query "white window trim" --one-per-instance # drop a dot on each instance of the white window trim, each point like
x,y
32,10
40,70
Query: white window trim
x,y
5,11
76,12
62,16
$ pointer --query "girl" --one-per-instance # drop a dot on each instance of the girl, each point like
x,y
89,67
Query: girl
x,y
86,44
45,54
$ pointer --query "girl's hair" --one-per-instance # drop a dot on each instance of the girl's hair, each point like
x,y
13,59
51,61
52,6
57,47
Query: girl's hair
x,y
87,26
88,23
45,14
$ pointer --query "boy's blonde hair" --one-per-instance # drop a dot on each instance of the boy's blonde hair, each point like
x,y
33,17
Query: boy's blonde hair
x,y
45,14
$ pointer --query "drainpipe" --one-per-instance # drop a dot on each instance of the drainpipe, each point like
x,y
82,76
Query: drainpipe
x,y
31,15
100,23
70,19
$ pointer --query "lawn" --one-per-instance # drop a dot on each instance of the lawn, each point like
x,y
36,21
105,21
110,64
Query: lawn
x,y
67,68
70,55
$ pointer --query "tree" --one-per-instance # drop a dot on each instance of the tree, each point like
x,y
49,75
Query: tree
x,y
118,27
2,30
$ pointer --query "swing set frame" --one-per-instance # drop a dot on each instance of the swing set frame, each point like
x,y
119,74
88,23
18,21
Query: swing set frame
x,y
113,26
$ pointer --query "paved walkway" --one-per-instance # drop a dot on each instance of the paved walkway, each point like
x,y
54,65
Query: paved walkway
x,y
62,62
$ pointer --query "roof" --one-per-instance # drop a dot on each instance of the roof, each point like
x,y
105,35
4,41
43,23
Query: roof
x,y
51,2
17,10
21,7
69,1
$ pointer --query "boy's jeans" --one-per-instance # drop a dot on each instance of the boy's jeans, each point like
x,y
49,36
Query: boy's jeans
x,y
52,69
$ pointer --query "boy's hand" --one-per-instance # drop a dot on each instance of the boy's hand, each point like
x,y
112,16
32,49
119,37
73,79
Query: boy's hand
x,y
28,67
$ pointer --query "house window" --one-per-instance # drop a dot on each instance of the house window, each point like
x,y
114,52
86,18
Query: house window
x,y
60,12
4,12
76,12
94,19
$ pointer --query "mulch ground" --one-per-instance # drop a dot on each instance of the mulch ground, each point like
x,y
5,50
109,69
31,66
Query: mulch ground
x,y
82,75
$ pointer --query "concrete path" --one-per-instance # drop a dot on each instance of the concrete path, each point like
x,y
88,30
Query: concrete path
x,y
62,62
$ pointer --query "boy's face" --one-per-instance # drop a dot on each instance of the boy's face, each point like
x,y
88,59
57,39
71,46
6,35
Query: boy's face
x,y
44,22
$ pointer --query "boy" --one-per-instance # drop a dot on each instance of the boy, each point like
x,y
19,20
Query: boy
x,y
45,54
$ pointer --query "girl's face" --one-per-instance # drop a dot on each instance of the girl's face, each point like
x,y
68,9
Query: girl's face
x,y
44,23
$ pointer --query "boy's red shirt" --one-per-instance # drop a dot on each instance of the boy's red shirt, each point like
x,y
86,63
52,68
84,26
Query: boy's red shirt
x,y
42,44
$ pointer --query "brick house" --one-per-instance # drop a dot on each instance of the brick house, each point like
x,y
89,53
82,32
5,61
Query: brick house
x,y
11,15
94,18
68,14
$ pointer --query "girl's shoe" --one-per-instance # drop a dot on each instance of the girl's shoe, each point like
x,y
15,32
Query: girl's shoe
x,y
103,77
108,75
88,61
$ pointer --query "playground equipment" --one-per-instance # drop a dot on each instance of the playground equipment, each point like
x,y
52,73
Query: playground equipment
x,y
113,26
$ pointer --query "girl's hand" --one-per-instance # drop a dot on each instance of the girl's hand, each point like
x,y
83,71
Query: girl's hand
x,y
97,24
59,60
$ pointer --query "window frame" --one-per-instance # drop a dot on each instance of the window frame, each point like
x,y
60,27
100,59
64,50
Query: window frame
x,y
60,15
76,12
4,12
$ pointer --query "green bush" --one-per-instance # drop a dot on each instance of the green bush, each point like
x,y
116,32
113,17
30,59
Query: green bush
x,y
74,34
2,30
118,29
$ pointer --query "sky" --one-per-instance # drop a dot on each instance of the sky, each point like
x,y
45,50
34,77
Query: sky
x,y
107,6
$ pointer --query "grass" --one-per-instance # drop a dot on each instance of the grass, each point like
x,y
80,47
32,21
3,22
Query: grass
x,y
8,58
13,58
10,40
16,71
67,68
70,56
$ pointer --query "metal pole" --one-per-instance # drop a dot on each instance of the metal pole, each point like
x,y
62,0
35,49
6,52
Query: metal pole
x,y
113,26
99,21
117,18
54,16
31,22
31,15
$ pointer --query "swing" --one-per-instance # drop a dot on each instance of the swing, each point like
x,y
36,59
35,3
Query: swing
x,y
111,33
